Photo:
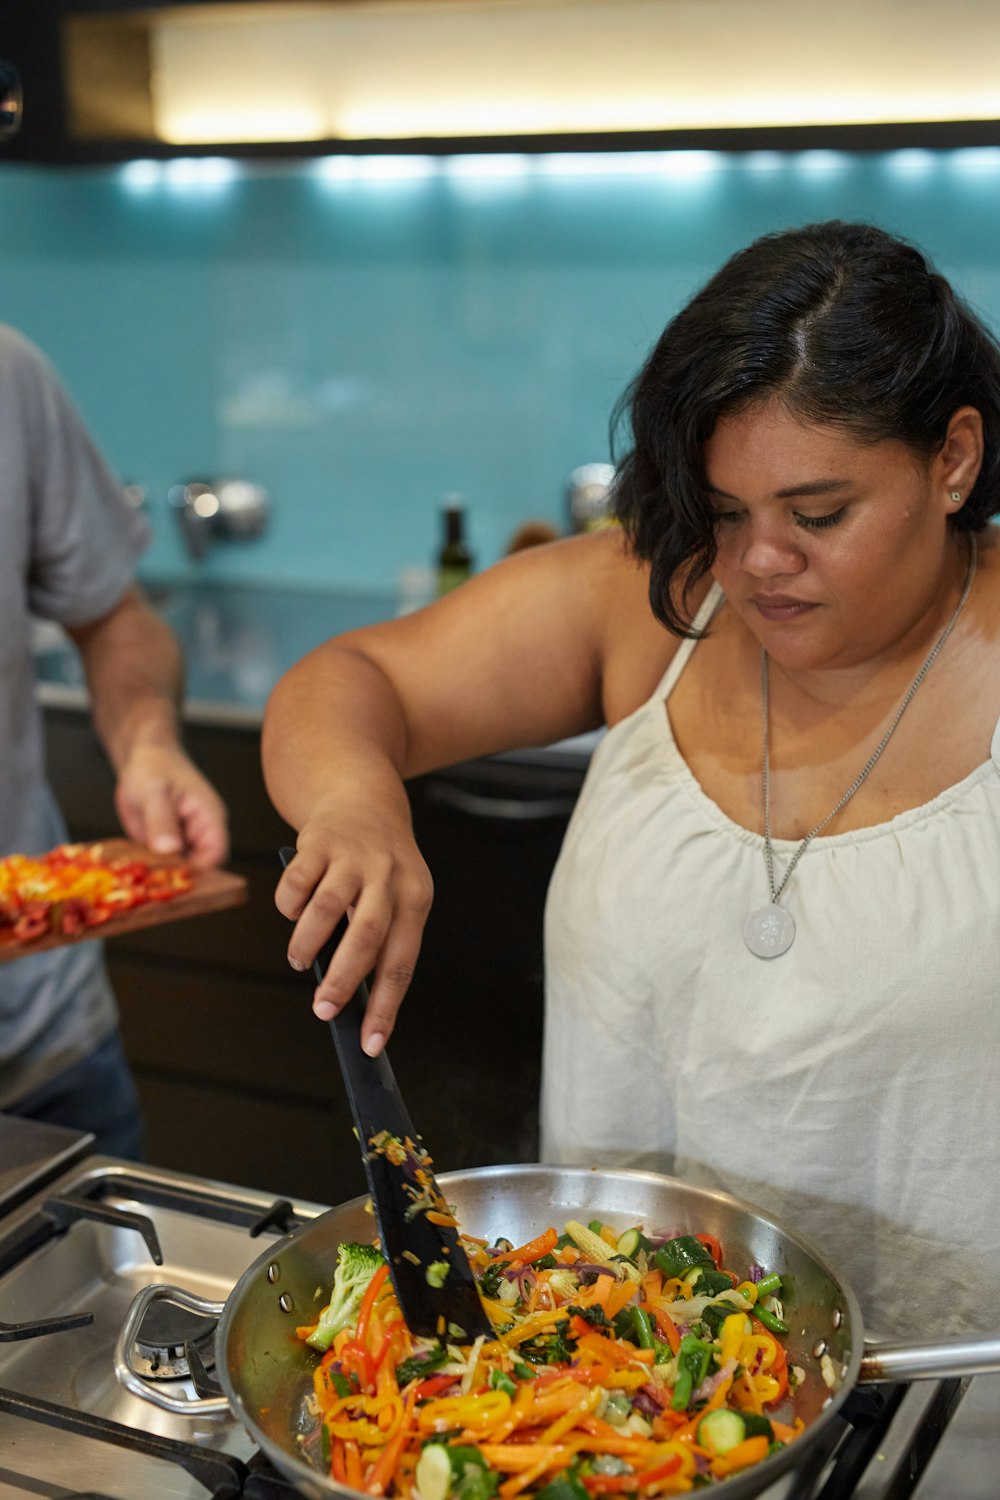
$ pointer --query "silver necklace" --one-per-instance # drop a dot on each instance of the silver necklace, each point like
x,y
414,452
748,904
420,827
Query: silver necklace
x,y
770,931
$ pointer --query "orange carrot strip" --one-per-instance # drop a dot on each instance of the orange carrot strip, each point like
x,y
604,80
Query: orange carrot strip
x,y
619,1297
750,1451
352,1464
558,1455
652,1284
544,1244
570,1418
513,1458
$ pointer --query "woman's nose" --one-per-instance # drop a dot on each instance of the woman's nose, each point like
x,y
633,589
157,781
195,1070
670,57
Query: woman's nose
x,y
768,551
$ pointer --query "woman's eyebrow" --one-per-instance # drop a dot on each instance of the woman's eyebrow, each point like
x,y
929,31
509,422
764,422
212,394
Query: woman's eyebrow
x,y
807,487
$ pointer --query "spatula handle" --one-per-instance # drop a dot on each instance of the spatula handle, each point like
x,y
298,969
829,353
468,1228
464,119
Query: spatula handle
x,y
376,1102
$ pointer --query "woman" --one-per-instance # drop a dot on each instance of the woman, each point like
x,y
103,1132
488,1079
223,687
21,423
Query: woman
x,y
774,930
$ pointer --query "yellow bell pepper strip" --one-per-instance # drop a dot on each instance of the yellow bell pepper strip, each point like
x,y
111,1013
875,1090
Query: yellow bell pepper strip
x,y
767,1388
750,1451
476,1413
732,1336
341,1421
521,1332
520,1409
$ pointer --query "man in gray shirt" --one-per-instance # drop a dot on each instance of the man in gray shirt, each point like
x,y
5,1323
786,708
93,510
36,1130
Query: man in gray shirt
x,y
68,547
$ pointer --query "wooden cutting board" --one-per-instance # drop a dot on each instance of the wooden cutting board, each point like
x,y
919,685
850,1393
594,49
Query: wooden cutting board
x,y
213,890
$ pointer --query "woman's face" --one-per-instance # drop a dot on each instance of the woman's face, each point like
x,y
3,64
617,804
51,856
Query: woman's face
x,y
829,550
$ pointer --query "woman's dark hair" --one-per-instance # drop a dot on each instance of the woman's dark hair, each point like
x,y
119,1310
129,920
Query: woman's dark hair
x,y
842,323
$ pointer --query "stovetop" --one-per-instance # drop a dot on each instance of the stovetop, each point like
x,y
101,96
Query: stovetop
x,y
74,1256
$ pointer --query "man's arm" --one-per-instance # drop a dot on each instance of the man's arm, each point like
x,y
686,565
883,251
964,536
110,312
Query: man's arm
x,y
135,676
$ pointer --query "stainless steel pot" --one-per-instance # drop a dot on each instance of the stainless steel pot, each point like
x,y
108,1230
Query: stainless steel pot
x,y
265,1370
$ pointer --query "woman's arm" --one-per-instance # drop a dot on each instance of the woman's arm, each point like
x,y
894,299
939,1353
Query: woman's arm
x,y
514,657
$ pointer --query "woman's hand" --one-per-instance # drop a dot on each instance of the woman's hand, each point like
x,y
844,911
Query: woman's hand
x,y
358,855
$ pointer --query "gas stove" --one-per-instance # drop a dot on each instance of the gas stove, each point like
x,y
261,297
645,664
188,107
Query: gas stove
x,y
74,1256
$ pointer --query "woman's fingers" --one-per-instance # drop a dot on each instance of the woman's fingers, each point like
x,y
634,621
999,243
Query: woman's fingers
x,y
388,904
355,955
396,964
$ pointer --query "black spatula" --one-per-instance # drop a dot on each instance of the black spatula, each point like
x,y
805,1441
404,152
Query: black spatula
x,y
430,1271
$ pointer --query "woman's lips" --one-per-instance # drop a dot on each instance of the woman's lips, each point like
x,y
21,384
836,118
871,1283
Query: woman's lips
x,y
780,607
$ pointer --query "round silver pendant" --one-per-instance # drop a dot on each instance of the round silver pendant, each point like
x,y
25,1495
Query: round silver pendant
x,y
769,932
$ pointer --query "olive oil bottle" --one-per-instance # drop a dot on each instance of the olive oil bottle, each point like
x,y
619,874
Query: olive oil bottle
x,y
454,561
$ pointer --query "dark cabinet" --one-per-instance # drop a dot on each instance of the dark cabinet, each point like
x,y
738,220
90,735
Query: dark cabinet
x,y
238,1080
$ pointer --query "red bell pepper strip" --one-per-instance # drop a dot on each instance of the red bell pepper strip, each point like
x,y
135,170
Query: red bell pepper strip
x,y
368,1302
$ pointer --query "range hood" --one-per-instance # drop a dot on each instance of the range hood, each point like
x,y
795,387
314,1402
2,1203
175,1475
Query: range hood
x,y
314,73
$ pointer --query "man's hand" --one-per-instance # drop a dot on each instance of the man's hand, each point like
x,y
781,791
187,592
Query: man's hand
x,y
164,802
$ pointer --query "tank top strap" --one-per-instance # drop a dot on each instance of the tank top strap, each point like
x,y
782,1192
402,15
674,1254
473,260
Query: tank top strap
x,y
709,605
995,748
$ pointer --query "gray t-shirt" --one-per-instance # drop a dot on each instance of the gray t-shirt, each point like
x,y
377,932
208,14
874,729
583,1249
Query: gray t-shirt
x,y
68,547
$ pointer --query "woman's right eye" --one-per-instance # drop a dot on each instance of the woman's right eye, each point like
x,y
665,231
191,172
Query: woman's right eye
x,y
726,517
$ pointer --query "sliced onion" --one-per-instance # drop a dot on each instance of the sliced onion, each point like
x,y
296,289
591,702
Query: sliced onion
x,y
691,1310
710,1386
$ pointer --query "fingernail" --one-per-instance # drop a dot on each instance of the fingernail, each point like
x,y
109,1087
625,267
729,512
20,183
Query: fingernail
x,y
374,1044
324,1010
295,964
166,843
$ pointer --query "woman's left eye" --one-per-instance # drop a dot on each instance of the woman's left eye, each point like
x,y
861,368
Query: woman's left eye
x,y
818,523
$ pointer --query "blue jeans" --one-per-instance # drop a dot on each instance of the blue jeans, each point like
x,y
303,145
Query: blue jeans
x,y
96,1094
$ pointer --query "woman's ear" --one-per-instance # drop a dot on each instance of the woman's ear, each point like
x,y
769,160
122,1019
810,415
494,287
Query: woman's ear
x,y
960,457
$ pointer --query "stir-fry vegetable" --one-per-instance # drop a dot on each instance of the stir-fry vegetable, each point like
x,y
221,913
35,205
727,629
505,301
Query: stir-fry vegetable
x,y
622,1364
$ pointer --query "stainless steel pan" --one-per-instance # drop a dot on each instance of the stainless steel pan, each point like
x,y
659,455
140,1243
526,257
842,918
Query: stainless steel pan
x,y
265,1370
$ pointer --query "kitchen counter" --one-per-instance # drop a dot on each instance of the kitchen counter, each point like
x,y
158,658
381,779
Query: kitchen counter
x,y
238,641
31,1154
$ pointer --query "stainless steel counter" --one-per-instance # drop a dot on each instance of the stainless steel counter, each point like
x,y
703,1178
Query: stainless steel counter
x,y
32,1154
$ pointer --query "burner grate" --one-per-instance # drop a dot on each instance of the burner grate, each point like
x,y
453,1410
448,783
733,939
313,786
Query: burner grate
x,y
220,1474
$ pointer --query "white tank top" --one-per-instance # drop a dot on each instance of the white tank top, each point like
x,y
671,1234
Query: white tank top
x,y
850,1087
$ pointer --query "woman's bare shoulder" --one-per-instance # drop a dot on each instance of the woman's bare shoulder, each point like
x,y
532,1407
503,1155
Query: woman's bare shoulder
x,y
635,648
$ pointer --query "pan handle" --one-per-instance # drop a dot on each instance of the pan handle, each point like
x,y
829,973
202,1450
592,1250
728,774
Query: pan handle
x,y
954,1359
148,1390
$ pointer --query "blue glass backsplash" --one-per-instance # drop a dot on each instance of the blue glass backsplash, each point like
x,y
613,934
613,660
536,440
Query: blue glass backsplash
x,y
363,335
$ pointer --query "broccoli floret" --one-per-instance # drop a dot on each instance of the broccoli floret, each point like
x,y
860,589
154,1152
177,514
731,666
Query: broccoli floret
x,y
356,1265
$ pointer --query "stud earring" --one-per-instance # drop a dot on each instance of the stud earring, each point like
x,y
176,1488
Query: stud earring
x,y
956,496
